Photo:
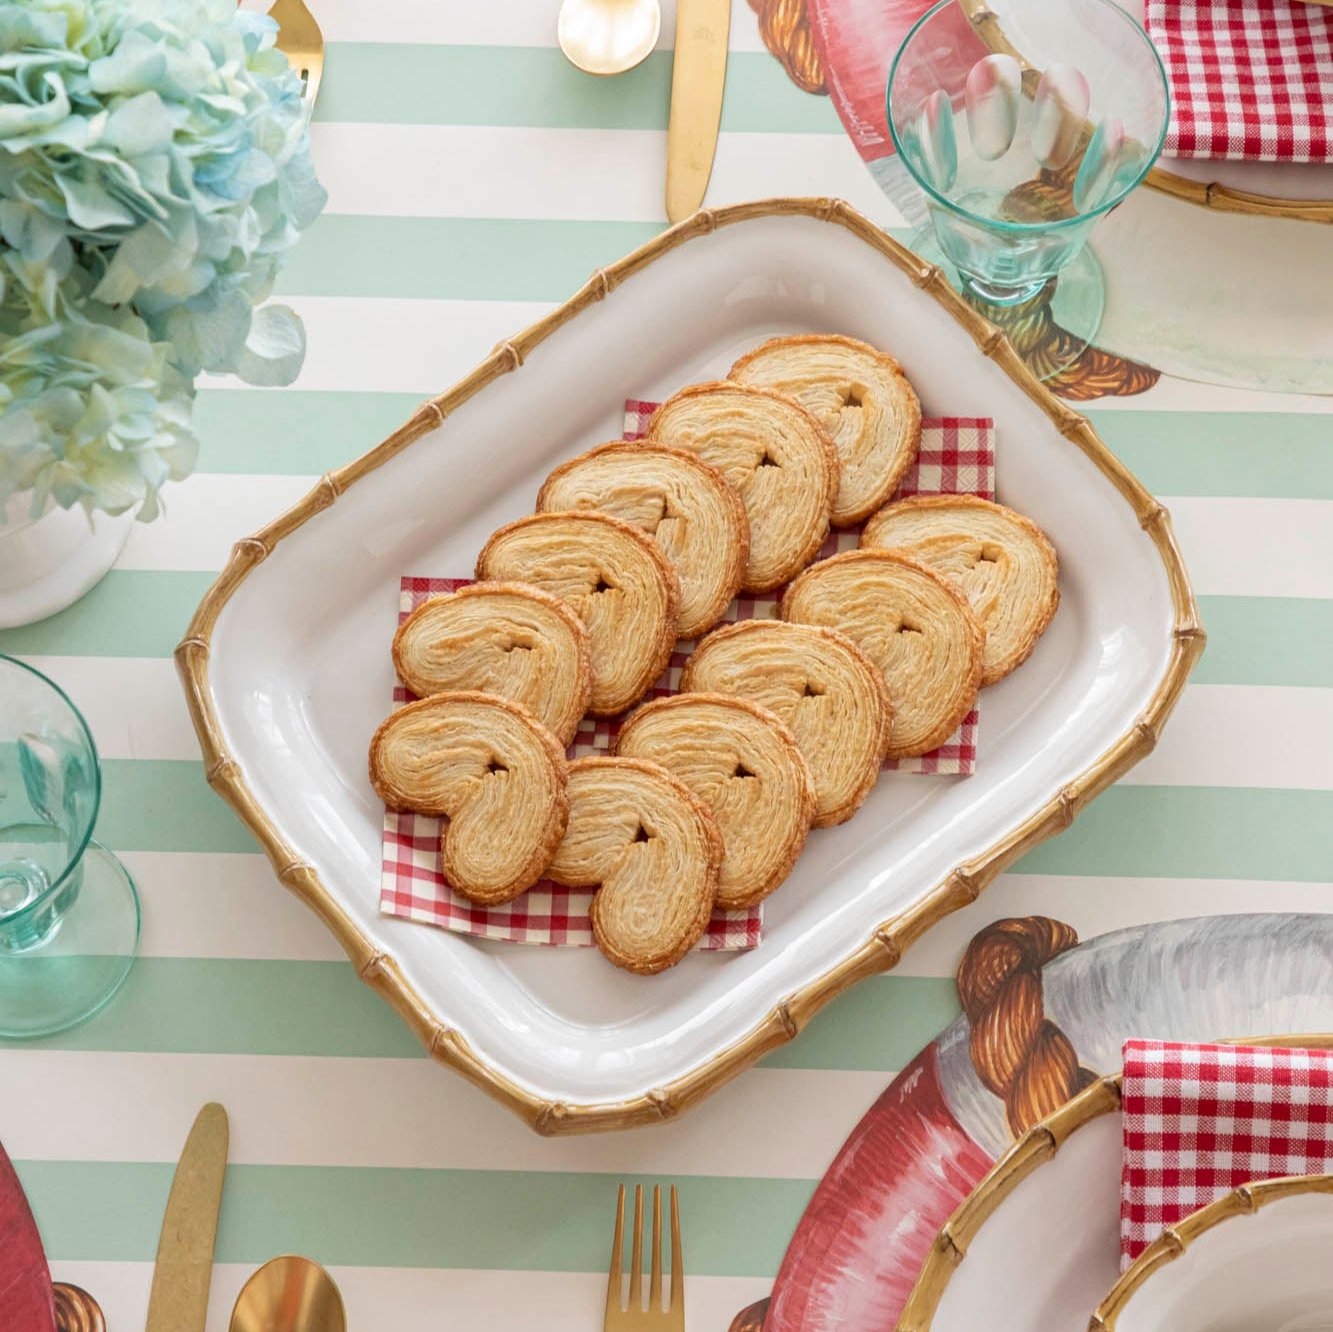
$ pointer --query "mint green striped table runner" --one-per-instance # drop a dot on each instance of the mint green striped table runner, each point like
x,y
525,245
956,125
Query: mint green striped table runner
x,y
475,181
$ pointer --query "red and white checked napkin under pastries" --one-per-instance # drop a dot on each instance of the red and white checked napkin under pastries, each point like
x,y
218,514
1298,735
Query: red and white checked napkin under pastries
x,y
1201,1120
1250,80
957,456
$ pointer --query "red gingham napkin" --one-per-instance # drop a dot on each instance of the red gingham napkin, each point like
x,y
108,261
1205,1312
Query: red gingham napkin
x,y
1201,1120
1250,79
957,456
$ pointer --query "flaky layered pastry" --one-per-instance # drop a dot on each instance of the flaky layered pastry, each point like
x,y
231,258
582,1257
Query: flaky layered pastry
x,y
651,849
918,630
746,766
613,578
776,456
686,506
827,691
1001,561
861,398
494,771
508,639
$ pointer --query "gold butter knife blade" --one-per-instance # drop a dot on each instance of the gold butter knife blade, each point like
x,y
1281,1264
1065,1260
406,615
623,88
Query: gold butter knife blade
x,y
178,1301
698,76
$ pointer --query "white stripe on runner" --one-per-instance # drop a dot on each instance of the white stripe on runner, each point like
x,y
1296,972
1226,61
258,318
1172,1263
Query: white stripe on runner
x,y
1256,547
407,1299
599,175
304,1111
396,345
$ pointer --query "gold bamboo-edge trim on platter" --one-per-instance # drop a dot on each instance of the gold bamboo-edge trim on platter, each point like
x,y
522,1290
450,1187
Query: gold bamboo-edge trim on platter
x,y
884,946
1035,1148
1175,1240
1204,194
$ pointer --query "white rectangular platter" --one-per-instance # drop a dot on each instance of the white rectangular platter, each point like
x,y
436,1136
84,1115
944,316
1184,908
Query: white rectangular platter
x,y
288,672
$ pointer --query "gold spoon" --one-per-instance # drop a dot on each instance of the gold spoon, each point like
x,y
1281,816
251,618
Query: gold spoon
x,y
608,36
289,1294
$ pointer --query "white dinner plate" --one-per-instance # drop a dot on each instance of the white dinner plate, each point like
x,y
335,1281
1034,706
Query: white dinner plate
x,y
288,670
1255,1258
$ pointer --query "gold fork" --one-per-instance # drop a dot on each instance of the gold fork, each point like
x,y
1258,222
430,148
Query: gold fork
x,y
301,41
654,1318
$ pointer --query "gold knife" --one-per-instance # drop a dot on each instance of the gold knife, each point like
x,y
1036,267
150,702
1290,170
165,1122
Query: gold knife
x,y
698,75
178,1301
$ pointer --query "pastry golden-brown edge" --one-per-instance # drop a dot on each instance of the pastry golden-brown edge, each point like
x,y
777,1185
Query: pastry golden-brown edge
x,y
1042,542
807,808
536,864
712,477
667,635
843,812
832,472
894,476
976,639
705,901
533,593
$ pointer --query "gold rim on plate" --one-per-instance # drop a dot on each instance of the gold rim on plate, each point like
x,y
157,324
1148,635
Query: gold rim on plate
x,y
1173,1241
1205,194
885,946
1034,1149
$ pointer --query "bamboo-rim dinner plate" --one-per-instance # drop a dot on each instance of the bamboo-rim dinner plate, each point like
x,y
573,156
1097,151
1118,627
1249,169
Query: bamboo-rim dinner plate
x,y
287,668
1200,1275
1036,1244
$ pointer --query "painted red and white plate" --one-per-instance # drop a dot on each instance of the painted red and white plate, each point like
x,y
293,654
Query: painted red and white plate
x,y
1043,1016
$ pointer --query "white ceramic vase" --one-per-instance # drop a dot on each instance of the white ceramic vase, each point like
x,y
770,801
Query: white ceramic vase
x,y
49,562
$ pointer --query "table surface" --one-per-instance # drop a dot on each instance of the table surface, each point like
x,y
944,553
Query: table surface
x,y
475,180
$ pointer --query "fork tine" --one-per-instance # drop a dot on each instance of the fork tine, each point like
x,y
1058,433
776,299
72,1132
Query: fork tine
x,y
655,1284
613,1296
636,1258
677,1262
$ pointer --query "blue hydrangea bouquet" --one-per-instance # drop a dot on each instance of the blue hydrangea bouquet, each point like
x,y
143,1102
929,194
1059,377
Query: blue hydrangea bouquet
x,y
154,169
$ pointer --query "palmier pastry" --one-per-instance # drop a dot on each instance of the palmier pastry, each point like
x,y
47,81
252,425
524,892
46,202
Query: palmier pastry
x,y
613,578
651,849
998,559
509,639
776,456
862,399
687,507
746,766
917,629
823,687
489,767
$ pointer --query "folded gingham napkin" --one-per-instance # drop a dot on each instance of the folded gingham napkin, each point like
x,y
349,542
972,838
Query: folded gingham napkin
x,y
1250,79
957,456
1201,1120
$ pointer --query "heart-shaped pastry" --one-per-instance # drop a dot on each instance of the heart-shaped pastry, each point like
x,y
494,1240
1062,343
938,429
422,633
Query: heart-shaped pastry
x,y
827,691
651,849
494,771
999,560
777,457
746,766
508,639
918,630
613,578
861,398
686,506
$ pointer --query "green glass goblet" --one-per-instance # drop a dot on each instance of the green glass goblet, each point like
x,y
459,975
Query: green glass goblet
x,y
69,912
1023,122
